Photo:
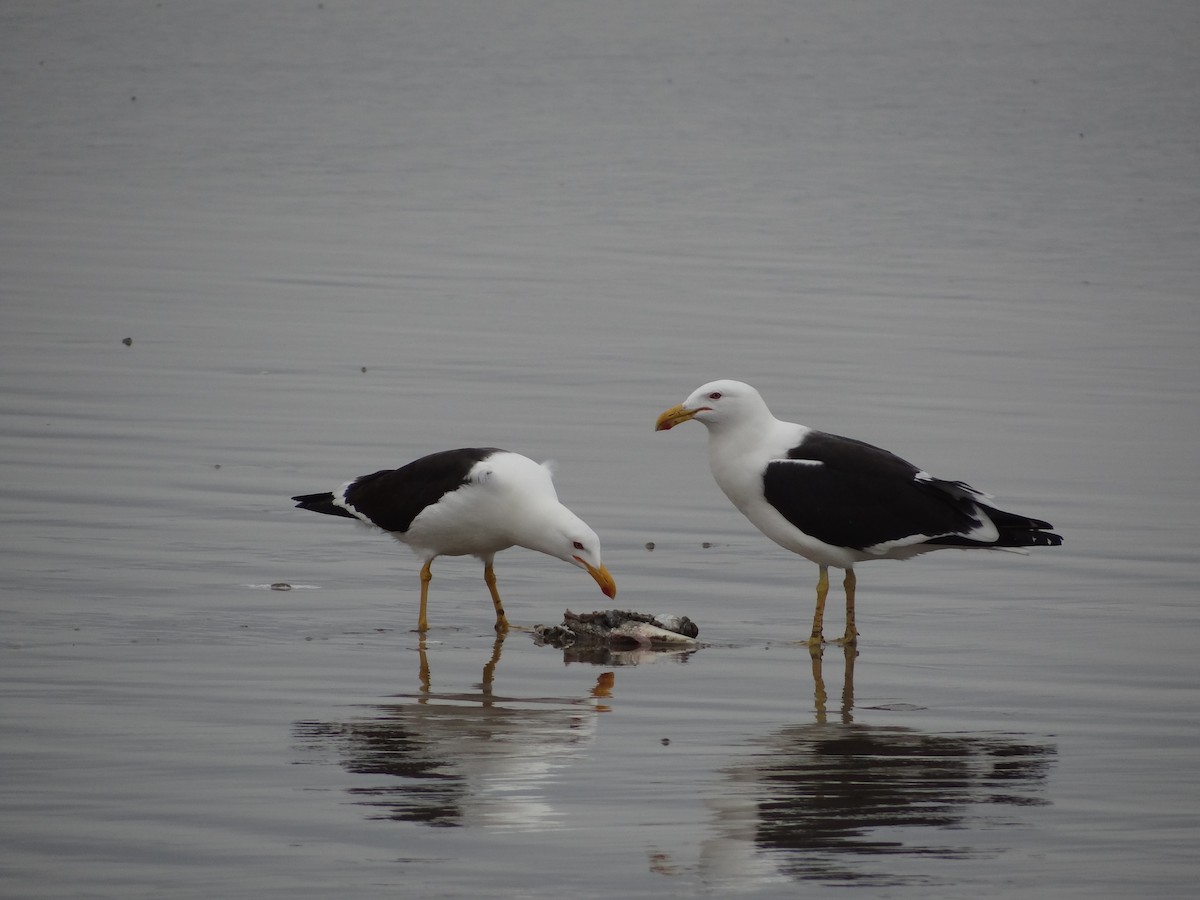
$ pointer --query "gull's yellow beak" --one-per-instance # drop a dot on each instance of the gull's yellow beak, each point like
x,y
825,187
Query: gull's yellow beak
x,y
674,416
603,579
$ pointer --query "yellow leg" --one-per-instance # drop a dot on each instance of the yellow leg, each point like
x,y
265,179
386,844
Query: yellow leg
x,y
489,577
817,637
851,635
426,577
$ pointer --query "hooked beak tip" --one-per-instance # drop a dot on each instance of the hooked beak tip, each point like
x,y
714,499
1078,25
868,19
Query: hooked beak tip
x,y
604,579
676,415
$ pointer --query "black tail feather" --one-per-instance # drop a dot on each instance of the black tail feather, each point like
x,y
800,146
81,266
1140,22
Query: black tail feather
x,y
1011,521
322,503
1015,531
1027,537
1009,538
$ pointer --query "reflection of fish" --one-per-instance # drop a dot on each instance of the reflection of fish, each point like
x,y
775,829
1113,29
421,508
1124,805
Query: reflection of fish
x,y
462,758
602,655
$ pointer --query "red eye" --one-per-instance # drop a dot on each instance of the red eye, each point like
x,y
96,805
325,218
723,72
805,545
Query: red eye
x,y
715,395
578,545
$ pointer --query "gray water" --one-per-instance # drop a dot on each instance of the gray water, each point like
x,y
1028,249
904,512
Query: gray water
x,y
341,235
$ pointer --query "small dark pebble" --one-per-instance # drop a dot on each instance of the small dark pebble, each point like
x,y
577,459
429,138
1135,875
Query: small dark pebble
x,y
706,544
364,368
666,742
649,545
128,342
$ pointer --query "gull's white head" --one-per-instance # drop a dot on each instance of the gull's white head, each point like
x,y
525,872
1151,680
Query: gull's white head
x,y
560,533
718,404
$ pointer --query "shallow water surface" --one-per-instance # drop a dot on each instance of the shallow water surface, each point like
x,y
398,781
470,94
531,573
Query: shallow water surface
x,y
342,236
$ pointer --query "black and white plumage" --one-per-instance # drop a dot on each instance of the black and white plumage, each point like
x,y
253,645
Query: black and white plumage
x,y
835,500
474,501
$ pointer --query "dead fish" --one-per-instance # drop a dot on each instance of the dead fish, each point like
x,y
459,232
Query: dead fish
x,y
619,628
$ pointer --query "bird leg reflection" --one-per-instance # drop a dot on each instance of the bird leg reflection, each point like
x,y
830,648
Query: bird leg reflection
x,y
816,652
489,668
849,654
424,668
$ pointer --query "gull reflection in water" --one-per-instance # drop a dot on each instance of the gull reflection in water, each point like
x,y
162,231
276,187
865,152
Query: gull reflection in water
x,y
848,803
462,758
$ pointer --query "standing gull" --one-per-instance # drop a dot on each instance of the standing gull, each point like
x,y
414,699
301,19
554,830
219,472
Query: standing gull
x,y
835,500
475,501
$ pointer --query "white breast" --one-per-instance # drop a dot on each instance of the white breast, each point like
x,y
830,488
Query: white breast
x,y
738,465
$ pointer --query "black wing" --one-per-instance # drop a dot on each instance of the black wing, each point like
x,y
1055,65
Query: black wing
x,y
852,494
392,498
